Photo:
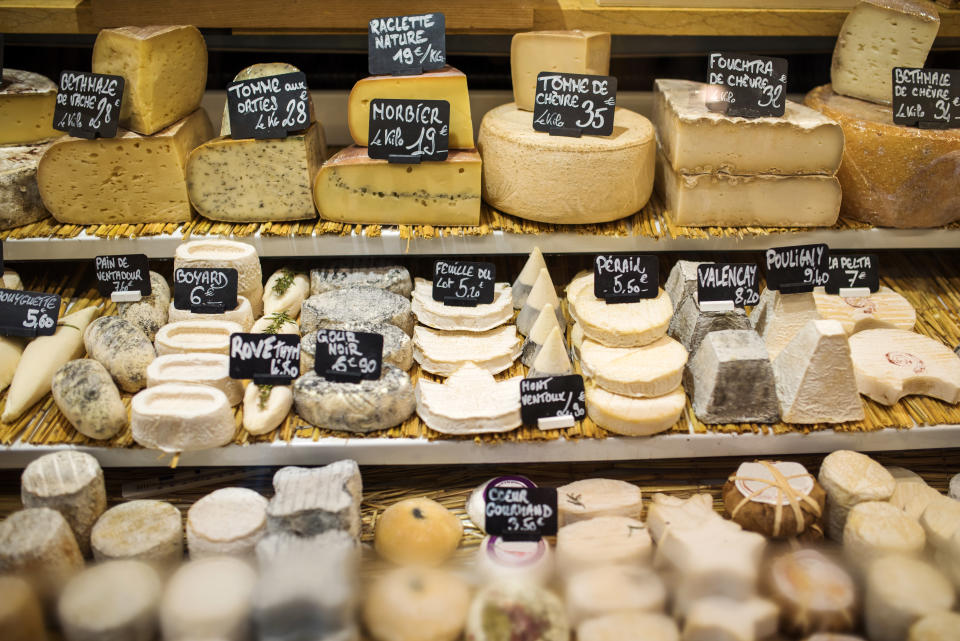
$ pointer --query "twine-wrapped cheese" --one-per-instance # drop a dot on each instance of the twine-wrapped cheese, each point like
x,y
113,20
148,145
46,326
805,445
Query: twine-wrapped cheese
x,y
778,499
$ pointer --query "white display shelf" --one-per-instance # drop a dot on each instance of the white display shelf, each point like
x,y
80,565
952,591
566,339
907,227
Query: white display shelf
x,y
382,451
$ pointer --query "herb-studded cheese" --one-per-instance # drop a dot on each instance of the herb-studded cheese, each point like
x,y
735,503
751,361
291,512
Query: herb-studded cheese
x,y
479,318
590,498
191,336
397,346
89,399
883,309
651,370
181,417
365,406
226,253
122,348
575,51
622,324
851,478
242,314
393,278
150,312
27,100
609,589
20,202
38,544
356,304
188,610
892,363
199,368
497,605
312,501
285,292
443,353
144,530
470,401
634,416
227,522
276,323
266,407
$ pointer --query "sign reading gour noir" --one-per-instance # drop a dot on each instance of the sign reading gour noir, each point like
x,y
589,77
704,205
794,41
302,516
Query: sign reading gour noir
x,y
406,45
268,359
205,290
88,104
463,283
626,278
348,357
520,513
735,283
122,274
853,274
754,86
926,98
573,104
24,313
409,131
797,269
552,397
268,107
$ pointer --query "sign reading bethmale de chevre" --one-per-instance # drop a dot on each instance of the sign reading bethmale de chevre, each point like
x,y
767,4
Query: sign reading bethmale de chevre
x,y
926,98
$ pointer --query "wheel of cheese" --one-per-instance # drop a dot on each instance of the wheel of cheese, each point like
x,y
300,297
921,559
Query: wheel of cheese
x,y
198,368
623,626
938,626
38,544
590,498
850,478
228,522
180,417
443,352
634,416
361,407
525,561
242,314
86,395
111,600
190,336
266,407
478,318
603,540
285,292
150,312
621,324
875,529
612,588
496,607
393,278
143,530
883,309
417,531
21,615
70,483
356,304
226,253
411,604
397,346
122,348
558,179
651,370
899,591
813,592
209,598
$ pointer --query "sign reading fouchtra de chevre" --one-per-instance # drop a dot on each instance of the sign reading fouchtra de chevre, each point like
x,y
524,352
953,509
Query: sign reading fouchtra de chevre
x,y
754,86
88,104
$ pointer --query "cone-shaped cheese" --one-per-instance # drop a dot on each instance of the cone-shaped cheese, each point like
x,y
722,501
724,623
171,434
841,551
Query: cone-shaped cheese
x,y
469,402
884,309
528,276
552,359
892,363
542,293
651,370
634,416
542,328
778,317
620,324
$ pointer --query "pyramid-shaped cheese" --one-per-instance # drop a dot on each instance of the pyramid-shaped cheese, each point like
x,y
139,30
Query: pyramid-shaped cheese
x,y
545,324
471,401
883,309
541,294
552,359
778,317
682,281
690,324
528,275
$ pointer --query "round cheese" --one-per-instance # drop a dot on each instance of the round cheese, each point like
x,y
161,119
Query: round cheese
x,y
558,179
954,488
612,588
199,368
112,600
209,599
190,336
813,592
361,407
590,498
266,407
443,353
393,278
413,604
634,416
940,521
397,346
850,478
417,531
499,610
623,626
603,540
37,544
144,530
938,626
651,370
180,417
229,522
778,499
226,253
476,502
875,529
356,304
892,363
122,348
621,324
500,560
899,591
87,396
242,314
478,318
883,309
21,615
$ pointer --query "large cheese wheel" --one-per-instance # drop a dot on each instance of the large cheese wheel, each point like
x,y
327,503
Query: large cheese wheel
x,y
557,179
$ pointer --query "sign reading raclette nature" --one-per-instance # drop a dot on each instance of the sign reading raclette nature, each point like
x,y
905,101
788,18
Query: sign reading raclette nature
x,y
268,107
88,104
406,45
573,104
926,98
753,86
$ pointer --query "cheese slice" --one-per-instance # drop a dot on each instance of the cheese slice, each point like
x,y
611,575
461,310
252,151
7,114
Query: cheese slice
x,y
528,275
552,359
470,401
892,363
443,353
590,498
188,609
478,318
877,36
356,305
623,626
21,615
181,417
87,397
937,626
634,416
351,187
285,292
605,540
361,407
20,202
899,591
112,600
37,544
883,309
122,348
712,618
410,603
191,336
562,180
199,368
851,478
779,317
227,522
539,332
541,294
242,314
620,324
610,589
533,52
143,530
813,592
876,529
682,281
226,253
651,370
27,100
266,407
667,511
941,521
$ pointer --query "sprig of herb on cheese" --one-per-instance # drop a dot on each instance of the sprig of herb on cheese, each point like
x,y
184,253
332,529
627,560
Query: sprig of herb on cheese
x,y
264,396
283,283
277,321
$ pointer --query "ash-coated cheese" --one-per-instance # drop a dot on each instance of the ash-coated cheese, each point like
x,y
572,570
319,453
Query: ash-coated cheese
x,y
814,592
312,501
470,401
150,312
227,522
143,530
499,607
21,615
417,531
393,278
528,275
20,202
667,512
539,332
285,292
937,626
614,540
242,314
192,336
892,363
478,318
417,603
778,318
555,179
631,416
87,396
883,309
590,498
682,281
336,547
850,478
575,51
552,358
876,529
940,521
623,626
356,304
366,406
305,600
266,407
198,368
70,483
622,324
651,370
609,589
718,617
122,348
226,253
899,591
397,346
181,417
542,293
128,179
208,599
443,353
690,324
27,100
38,545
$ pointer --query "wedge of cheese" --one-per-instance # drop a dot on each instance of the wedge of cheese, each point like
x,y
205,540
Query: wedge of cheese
x,y
443,353
634,416
479,318
619,324
525,279
892,363
470,401
227,253
542,328
575,51
27,100
651,370
884,308
20,202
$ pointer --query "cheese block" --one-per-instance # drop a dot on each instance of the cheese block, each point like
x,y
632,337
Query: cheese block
x,y
478,318
613,540
497,606
730,379
892,363
112,600
561,180
417,531
690,324
441,84
697,140
528,275
21,615
634,416
877,36
541,329
128,179
542,293
38,545
621,324
45,354
242,314
814,593
623,626
851,478
266,407
393,278
470,401
87,397
397,346
533,52
724,618
199,368
883,309
521,561
892,175
552,359
477,503
778,318
940,521
285,292
229,522
164,71
354,188
682,281
150,312
275,323
226,253
144,530
937,626
261,70
875,529
366,406
11,348
591,498
651,370
761,200
667,512
356,304
609,589
209,598
192,336
899,592
443,353
27,100
70,483
20,202
312,501
416,603
912,496
778,499
181,417
122,348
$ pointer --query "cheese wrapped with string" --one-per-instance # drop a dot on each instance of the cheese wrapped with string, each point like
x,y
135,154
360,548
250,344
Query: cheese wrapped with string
x,y
779,499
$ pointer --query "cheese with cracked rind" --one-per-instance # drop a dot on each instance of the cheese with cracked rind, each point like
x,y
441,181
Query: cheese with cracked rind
x,y
365,406
226,253
397,346
242,314
199,368
575,51
892,363
20,202
470,401
38,544
259,416
899,591
849,478
181,417
622,324
27,101
313,501
144,530
613,540
478,318
122,348
590,498
393,278
289,299
227,522
654,369
443,353
150,312
883,309
356,304
192,336
209,599
779,317
86,395
631,416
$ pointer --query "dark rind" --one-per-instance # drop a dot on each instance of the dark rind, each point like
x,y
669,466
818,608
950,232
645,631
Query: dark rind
x,y
361,407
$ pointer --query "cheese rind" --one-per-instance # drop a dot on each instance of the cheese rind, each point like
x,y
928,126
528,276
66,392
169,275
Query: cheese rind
x,y
356,304
937,626
622,324
315,501
262,416
779,317
576,51
690,324
478,318
892,363
242,314
122,348
87,396
227,522
883,309
525,279
814,593
38,544
397,346
634,416
851,478
261,70
226,253
360,407
470,401
27,101
191,336
611,540
667,511
590,498
623,626
181,417
144,530
552,358
198,368
719,617
20,202
651,370
443,353
150,312
876,529
899,591
417,531
393,278
941,521
411,603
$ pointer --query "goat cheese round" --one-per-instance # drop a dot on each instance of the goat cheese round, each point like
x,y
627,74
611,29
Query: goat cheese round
x,y
623,626
226,253
613,588
209,598
180,417
122,348
413,604
362,407
112,600
229,522
500,560
417,531
38,544
850,478
478,318
590,498
188,336
199,368
603,540
477,503
397,346
499,610
875,529
356,304
242,314
143,530
21,615
622,325
899,591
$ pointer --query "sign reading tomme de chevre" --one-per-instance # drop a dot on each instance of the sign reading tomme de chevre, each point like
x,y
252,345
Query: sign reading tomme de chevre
x,y
573,104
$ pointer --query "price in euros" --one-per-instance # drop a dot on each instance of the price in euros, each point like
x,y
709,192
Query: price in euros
x,y
284,368
352,363
527,524
296,113
815,277
630,287
745,296
37,319
408,55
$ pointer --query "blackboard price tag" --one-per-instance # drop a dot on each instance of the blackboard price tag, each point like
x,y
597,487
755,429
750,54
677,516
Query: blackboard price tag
x,y
205,290
409,131
926,98
462,283
88,104
406,45
797,269
552,402
725,286
853,275
345,356
1,250
626,278
520,513
755,86
268,107
24,313
123,277
268,359
573,104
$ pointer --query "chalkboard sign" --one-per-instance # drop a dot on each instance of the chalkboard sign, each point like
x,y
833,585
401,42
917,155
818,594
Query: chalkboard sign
x,y
24,313
462,283
406,45
552,397
797,269
1,253
268,359
626,278
205,290
926,98
268,107
755,86
409,131
736,283
345,356
853,272
572,104
88,104
520,513
123,274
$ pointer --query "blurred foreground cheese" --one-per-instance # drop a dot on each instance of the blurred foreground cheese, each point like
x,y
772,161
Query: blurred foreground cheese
x,y
590,498
27,100
354,188
892,363
142,530
884,308
555,51
470,401
127,179
20,202
899,591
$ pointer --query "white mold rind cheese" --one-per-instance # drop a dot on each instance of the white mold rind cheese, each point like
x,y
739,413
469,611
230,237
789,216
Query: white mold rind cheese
x,y
417,603
20,202
682,281
883,309
850,478
552,358
150,312
941,521
610,589
227,253
542,293
191,336
620,325
122,348
875,529
443,353
634,416
528,275
199,369
470,401
590,498
899,591
361,407
89,399
313,501
285,291
667,512
892,363
718,617
496,605
144,530
189,611
38,544
393,278
397,346
651,370
478,318
181,417
542,328
779,317
227,522
242,314
616,540
266,407
356,304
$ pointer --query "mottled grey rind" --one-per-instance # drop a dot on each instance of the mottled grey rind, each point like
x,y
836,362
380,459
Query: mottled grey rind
x,y
334,544
122,348
357,304
682,281
954,489
393,278
89,399
361,407
690,325
20,202
150,312
529,351
311,501
397,346
730,379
